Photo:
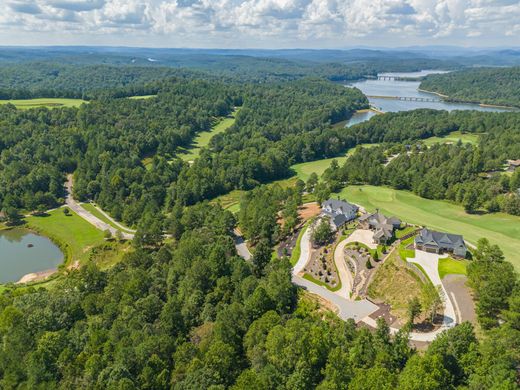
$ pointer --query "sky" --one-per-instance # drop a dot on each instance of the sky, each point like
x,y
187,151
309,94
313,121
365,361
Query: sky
x,y
260,23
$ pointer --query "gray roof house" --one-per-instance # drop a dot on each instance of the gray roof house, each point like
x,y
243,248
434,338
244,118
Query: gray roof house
x,y
383,226
438,242
339,211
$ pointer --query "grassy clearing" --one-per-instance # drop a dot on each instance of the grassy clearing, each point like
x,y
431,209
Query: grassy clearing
x,y
406,253
304,170
449,266
395,284
142,97
95,211
202,139
499,228
453,137
72,233
320,283
230,201
25,104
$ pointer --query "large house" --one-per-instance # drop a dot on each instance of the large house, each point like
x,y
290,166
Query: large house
x,y
382,226
339,211
438,242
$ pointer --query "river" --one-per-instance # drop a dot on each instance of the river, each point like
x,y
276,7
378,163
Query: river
x,y
405,89
23,252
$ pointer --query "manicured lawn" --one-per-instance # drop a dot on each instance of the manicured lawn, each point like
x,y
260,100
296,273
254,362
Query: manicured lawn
x,y
451,266
499,228
74,235
44,102
91,208
320,283
453,137
202,139
304,170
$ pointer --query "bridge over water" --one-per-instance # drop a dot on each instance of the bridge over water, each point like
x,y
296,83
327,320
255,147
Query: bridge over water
x,y
406,98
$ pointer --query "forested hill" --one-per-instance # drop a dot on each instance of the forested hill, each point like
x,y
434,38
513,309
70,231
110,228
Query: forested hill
x,y
480,85
104,143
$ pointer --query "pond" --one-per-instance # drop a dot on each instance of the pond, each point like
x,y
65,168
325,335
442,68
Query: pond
x,y
23,252
409,89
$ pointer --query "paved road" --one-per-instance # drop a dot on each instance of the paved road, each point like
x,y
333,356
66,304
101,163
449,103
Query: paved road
x,y
87,216
241,246
305,251
356,310
344,273
123,228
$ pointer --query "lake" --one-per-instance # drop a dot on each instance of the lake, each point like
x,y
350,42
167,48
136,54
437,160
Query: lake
x,y
405,89
17,258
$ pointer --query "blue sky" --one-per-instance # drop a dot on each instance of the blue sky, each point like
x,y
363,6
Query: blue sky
x,y
260,23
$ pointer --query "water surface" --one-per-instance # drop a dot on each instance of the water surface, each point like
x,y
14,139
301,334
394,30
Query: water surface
x,y
406,89
23,252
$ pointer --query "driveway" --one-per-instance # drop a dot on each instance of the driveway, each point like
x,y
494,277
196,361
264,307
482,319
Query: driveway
x,y
430,263
363,236
305,251
357,310
344,273
87,216
241,246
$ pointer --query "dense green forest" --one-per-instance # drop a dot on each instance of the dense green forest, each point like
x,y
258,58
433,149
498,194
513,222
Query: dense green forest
x,y
104,143
45,79
472,175
479,85
194,315
185,311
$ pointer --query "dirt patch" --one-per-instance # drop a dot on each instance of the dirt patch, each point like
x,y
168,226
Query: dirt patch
x,y
309,210
384,311
461,296
36,276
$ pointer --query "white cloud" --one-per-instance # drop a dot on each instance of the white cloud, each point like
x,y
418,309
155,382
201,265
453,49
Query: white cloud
x,y
226,23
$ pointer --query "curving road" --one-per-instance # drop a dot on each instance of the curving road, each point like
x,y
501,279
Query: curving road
x,y
88,216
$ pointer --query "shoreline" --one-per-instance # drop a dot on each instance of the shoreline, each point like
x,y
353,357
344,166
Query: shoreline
x,y
36,276
434,93
512,108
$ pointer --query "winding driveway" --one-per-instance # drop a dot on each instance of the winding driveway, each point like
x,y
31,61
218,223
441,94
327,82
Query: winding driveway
x,y
88,216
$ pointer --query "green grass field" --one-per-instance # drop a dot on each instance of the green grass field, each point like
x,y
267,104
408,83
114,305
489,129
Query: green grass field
x,y
449,266
499,228
304,170
202,139
142,97
94,210
453,137
25,104
74,235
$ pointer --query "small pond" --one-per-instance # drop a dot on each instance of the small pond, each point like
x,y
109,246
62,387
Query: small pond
x,y
23,252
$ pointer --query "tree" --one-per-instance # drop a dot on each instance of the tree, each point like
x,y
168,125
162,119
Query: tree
x,y
425,373
66,211
119,235
322,234
12,215
414,309
431,297
311,182
470,201
261,257
107,234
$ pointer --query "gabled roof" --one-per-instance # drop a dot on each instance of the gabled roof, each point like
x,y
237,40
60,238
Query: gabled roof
x,y
440,239
340,206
